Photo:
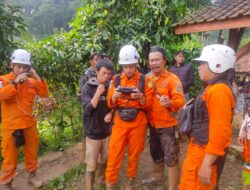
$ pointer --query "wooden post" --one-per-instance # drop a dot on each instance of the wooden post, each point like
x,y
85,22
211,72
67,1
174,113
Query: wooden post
x,y
234,37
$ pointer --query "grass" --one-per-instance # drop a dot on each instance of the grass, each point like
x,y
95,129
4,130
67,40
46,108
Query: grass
x,y
68,180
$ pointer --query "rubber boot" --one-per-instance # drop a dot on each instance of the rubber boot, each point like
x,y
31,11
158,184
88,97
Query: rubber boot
x,y
110,186
173,177
90,180
129,184
157,174
100,175
7,186
34,180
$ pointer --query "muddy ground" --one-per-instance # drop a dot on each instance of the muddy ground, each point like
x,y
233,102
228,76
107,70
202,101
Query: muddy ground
x,y
230,180
56,164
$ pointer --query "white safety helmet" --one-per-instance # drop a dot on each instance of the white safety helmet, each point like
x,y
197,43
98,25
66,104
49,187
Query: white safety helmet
x,y
128,55
21,56
219,57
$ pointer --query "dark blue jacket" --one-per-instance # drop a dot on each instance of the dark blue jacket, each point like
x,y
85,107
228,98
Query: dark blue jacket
x,y
186,75
94,125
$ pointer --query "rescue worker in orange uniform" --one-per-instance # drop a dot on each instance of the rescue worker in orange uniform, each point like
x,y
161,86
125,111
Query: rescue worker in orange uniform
x,y
130,120
212,115
244,140
168,99
17,94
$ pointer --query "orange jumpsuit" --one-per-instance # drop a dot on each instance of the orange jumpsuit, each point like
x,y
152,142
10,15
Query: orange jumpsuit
x,y
167,84
17,113
220,102
131,133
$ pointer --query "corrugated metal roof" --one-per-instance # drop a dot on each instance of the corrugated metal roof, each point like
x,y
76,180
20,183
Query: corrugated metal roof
x,y
228,9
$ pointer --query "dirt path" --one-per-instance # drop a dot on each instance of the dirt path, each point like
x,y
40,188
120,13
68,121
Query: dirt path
x,y
50,166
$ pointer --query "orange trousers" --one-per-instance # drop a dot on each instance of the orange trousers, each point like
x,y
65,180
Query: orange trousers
x,y
246,155
10,153
190,179
120,138
246,151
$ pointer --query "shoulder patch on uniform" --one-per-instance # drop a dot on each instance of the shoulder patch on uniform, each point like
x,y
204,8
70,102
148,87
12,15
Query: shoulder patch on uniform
x,y
1,84
179,88
150,84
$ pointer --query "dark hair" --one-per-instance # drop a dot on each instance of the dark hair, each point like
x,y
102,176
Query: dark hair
x,y
105,56
179,52
95,54
104,63
159,49
230,75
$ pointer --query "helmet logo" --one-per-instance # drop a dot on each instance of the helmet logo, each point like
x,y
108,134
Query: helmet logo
x,y
218,66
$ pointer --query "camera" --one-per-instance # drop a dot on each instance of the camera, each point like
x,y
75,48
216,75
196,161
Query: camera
x,y
127,90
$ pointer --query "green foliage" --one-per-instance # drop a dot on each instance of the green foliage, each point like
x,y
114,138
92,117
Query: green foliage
x,y
11,23
59,122
246,38
62,126
246,177
105,26
59,60
192,48
45,17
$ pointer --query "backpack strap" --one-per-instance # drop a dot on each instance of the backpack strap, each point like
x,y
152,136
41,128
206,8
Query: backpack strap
x,y
142,83
117,80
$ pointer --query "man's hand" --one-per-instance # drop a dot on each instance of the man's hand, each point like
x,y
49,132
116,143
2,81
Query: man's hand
x,y
136,95
21,78
34,74
108,117
100,89
164,101
115,96
205,173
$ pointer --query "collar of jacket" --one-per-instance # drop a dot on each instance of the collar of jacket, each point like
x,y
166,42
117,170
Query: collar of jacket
x,y
136,75
163,74
182,64
11,75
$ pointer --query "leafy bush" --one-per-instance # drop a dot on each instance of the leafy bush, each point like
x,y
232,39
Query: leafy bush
x,y
62,125
191,47
105,26
11,23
